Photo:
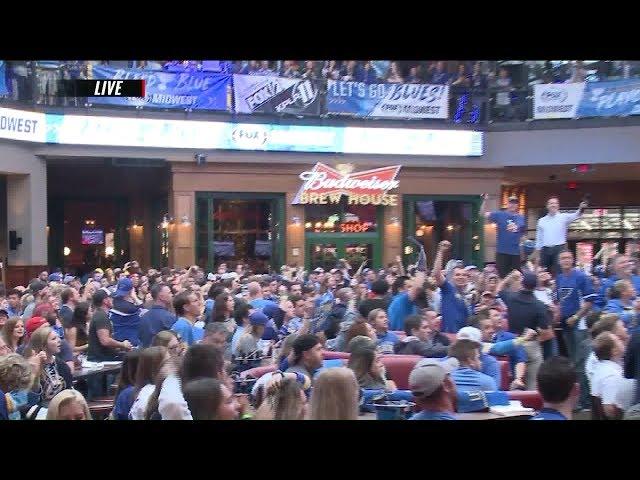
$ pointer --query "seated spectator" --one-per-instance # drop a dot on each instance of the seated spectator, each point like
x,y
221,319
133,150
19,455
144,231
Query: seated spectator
x,y
125,315
158,318
169,340
126,385
369,370
386,339
306,356
433,388
335,395
149,363
360,341
607,376
393,75
422,339
468,375
621,303
68,405
359,328
77,332
102,346
16,379
558,386
52,372
187,308
13,333
248,342
284,399
210,399
489,364
378,299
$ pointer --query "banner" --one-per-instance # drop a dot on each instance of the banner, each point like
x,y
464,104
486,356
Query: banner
x,y
3,78
610,99
556,100
388,100
267,94
21,125
195,90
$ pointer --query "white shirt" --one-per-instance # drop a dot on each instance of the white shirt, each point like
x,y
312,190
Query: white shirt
x,y
607,377
552,230
139,406
590,366
544,296
626,393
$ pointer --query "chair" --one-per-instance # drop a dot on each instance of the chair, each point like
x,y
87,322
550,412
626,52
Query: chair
x,y
399,368
101,408
505,375
329,355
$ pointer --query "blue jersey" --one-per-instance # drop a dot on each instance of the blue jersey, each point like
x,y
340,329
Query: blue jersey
x,y
571,289
548,414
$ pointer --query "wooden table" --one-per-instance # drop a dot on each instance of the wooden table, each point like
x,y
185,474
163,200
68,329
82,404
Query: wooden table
x,y
88,372
465,416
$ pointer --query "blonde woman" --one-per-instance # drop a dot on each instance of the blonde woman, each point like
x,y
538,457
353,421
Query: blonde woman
x,y
284,400
16,378
335,395
68,405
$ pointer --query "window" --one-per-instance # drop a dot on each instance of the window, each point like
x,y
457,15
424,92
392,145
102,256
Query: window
x,y
341,218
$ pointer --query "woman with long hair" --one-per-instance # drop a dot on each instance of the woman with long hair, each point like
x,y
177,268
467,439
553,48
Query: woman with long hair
x,y
283,400
223,312
13,333
149,364
68,405
126,384
335,395
360,327
210,399
77,333
368,369
53,373
169,339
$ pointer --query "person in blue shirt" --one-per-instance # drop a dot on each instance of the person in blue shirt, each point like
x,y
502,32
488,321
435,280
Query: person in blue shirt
x,y
510,226
623,270
575,295
187,308
454,305
158,318
440,75
125,313
468,376
488,363
126,384
14,307
404,303
380,323
558,386
433,389
621,303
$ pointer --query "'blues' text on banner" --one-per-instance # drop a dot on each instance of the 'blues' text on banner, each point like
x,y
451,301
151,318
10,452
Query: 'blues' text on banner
x,y
267,94
608,99
388,100
195,90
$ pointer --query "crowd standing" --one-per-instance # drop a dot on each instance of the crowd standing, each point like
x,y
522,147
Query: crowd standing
x,y
189,340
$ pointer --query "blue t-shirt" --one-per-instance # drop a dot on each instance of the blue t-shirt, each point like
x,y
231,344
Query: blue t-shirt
x,y
491,367
507,242
468,379
400,308
388,339
124,402
188,333
428,415
453,307
548,414
607,283
259,303
571,288
518,355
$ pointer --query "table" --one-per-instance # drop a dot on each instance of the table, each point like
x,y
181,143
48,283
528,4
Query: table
x,y
112,367
467,416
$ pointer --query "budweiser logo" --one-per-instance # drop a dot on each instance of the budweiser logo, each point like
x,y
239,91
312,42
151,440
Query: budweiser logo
x,y
324,180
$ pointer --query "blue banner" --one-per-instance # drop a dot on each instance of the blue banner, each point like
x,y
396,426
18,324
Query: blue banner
x,y
3,78
195,90
610,99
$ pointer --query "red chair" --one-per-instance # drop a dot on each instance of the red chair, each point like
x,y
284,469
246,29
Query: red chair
x,y
329,355
505,375
399,367
528,398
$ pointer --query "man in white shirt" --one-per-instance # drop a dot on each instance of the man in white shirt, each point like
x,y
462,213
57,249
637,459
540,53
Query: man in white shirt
x,y
608,380
551,233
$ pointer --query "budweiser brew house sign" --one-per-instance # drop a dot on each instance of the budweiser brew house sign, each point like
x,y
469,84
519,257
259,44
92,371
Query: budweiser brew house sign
x,y
325,185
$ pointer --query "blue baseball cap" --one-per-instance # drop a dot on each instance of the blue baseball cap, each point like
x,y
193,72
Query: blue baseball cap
x,y
258,318
55,277
125,285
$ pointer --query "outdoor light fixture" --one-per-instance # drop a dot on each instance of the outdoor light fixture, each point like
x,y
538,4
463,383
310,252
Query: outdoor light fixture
x,y
66,251
109,251
185,220
295,220
394,221
165,222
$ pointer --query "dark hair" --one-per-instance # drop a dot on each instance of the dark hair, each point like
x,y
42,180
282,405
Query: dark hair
x,y
98,297
127,375
13,291
66,295
241,311
358,328
302,344
412,322
220,313
556,378
295,298
156,289
202,361
463,350
204,397
213,328
380,287
149,365
398,283
215,290
592,318
361,361
80,316
180,300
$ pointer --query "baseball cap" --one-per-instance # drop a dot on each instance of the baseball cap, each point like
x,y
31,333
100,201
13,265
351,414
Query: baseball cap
x,y
471,267
98,270
100,295
258,318
513,199
529,246
428,374
125,285
470,333
43,309
3,311
55,277
319,270
35,323
211,277
36,286
529,280
68,279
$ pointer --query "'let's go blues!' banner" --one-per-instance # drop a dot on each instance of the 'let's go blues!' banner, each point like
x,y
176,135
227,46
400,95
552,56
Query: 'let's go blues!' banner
x,y
196,90
609,99
388,100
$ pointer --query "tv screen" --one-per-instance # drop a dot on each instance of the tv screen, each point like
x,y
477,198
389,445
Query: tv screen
x,y
92,237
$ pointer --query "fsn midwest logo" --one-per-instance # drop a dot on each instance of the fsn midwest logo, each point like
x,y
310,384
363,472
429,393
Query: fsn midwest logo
x,y
554,95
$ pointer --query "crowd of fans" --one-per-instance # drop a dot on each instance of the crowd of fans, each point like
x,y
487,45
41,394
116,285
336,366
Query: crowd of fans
x,y
190,341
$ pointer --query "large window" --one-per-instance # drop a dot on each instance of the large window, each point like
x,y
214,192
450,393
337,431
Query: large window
x,y
341,218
